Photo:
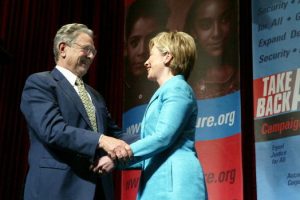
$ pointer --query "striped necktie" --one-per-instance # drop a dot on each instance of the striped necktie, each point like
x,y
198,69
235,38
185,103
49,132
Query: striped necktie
x,y
88,105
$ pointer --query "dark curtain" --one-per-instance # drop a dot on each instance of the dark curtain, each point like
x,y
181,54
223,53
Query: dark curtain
x,y
27,29
248,147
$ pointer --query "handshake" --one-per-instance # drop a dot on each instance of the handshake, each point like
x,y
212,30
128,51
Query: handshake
x,y
117,150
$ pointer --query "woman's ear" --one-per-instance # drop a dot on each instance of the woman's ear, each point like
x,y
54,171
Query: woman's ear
x,y
168,58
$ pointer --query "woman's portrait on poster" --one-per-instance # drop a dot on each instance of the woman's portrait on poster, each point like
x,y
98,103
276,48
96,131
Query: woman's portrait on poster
x,y
213,24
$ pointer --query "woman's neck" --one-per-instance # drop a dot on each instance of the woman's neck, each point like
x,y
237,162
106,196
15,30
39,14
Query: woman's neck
x,y
164,78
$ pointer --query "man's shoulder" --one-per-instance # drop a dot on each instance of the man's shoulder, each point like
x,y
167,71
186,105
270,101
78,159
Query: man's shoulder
x,y
40,74
39,77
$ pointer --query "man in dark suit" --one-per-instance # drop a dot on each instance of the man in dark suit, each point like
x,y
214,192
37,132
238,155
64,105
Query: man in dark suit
x,y
70,136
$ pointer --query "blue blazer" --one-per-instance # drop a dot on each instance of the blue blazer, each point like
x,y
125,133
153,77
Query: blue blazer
x,y
62,143
170,167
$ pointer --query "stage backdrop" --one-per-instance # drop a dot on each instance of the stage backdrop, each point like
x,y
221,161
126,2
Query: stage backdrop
x,y
215,80
276,81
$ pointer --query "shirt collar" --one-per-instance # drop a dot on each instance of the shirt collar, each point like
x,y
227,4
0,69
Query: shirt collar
x,y
67,74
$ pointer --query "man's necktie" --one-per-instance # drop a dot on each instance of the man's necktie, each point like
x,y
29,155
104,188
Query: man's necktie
x,y
88,105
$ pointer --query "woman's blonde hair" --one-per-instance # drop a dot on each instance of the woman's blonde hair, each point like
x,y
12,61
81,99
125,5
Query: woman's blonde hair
x,y
181,46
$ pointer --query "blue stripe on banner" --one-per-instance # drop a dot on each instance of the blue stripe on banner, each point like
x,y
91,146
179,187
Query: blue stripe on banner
x,y
132,119
219,117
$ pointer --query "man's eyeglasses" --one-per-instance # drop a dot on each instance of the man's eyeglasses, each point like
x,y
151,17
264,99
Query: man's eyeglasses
x,y
87,49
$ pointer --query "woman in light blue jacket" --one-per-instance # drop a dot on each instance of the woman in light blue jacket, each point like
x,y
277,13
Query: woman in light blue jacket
x,y
165,152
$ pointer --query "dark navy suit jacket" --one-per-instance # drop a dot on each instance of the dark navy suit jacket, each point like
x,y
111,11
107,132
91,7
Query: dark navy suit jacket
x,y
62,144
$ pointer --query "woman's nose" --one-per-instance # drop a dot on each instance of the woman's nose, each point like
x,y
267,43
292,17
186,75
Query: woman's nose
x,y
146,63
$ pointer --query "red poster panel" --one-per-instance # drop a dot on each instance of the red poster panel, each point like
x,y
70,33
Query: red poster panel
x,y
127,184
221,160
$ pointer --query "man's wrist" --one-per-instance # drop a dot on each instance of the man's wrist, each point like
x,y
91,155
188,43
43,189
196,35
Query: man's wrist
x,y
99,141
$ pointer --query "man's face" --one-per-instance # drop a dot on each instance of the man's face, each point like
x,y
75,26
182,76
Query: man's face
x,y
137,44
80,55
212,26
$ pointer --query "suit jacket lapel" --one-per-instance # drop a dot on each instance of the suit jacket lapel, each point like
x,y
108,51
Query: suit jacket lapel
x,y
70,92
155,96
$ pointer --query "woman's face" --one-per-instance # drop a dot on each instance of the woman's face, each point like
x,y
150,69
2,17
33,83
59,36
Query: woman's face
x,y
212,26
155,64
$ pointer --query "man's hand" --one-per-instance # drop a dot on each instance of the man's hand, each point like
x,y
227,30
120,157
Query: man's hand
x,y
103,165
115,148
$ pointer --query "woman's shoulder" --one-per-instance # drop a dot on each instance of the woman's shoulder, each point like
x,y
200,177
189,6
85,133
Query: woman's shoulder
x,y
177,87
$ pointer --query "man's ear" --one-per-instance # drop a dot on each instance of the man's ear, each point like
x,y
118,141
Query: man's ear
x,y
168,58
61,48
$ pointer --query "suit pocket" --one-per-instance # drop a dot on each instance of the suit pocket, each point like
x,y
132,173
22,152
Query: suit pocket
x,y
53,164
52,175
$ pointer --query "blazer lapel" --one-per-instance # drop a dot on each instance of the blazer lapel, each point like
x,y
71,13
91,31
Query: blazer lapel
x,y
71,93
155,96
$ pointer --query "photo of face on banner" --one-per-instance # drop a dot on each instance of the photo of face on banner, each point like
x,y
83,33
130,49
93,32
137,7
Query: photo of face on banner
x,y
213,24
144,19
